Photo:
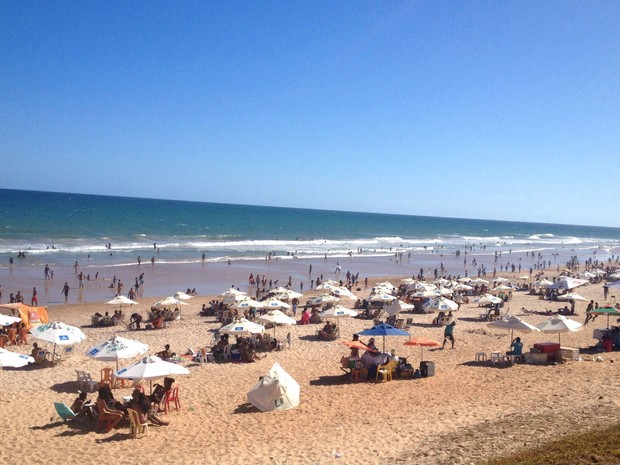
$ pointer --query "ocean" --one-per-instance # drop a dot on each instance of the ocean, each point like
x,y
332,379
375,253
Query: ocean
x,y
112,232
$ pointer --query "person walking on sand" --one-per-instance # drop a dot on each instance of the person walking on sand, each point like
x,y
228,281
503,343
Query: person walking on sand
x,y
448,333
65,291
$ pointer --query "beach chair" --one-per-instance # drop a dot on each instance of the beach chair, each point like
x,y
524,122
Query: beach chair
x,y
64,411
386,371
107,417
41,357
135,425
106,377
65,352
172,396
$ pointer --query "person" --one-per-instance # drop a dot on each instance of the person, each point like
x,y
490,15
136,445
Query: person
x,y
516,347
355,351
81,406
159,393
65,291
166,353
327,331
34,353
448,333
136,319
393,357
34,300
140,403
371,345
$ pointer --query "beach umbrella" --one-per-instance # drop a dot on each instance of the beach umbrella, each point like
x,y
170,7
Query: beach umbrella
x,y
247,303
117,348
422,342
408,281
462,287
513,323
180,295
384,330
465,279
396,306
276,317
233,299
386,285
428,293
150,368
242,327
441,304
559,324
58,334
120,300
588,275
7,320
275,304
479,281
571,296
488,299
343,292
327,285
323,299
338,312
501,288
609,311
232,291
543,283
284,293
355,345
567,283
169,302
13,359
382,297
501,279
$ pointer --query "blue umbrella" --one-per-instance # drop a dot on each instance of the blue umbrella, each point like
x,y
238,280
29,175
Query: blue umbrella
x,y
383,330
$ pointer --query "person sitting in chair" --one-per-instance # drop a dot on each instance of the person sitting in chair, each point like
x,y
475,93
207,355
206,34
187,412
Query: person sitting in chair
x,y
327,332
141,404
81,406
166,353
159,393
516,347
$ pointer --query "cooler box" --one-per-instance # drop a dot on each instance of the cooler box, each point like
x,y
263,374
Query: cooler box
x,y
427,369
549,348
568,353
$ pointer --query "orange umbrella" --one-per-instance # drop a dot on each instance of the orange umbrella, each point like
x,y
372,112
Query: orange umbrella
x,y
422,342
355,344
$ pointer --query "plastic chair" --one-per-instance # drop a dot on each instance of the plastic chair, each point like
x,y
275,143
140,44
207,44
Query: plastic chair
x,y
106,377
481,357
64,411
386,371
106,416
172,396
135,425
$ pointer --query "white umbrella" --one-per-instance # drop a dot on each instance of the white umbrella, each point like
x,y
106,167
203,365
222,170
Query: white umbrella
x,y
150,368
501,288
233,299
276,317
462,287
559,324
323,299
7,320
513,323
382,298
397,306
58,333
543,283
117,347
232,291
247,303
441,304
428,294
275,304
12,359
571,296
343,292
488,299
121,300
479,281
589,275
327,285
283,292
242,327
338,312
386,284
567,283
180,295
169,302
500,279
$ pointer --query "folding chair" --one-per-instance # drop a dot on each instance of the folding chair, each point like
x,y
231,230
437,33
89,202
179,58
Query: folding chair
x,y
64,411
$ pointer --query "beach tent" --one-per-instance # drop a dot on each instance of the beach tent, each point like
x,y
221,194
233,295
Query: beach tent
x,y
32,316
275,391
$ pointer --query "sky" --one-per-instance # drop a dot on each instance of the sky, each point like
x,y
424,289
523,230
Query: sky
x,y
503,110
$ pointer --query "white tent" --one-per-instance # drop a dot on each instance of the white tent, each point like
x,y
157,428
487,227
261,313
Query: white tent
x,y
275,391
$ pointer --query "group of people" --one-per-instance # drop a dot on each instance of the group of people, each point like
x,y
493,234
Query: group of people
x,y
147,406
106,320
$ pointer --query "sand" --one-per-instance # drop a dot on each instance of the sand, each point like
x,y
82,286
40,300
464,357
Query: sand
x,y
467,412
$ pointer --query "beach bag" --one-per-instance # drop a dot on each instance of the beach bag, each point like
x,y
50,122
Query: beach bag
x,y
417,374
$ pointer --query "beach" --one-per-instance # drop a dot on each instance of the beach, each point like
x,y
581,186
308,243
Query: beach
x,y
465,413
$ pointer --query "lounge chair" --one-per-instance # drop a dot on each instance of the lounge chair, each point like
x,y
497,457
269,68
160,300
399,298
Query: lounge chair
x,y
64,411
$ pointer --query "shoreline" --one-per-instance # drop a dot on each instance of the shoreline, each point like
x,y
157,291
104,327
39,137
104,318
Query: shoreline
x,y
209,278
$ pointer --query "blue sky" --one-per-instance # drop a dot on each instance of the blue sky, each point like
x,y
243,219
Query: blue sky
x,y
495,110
